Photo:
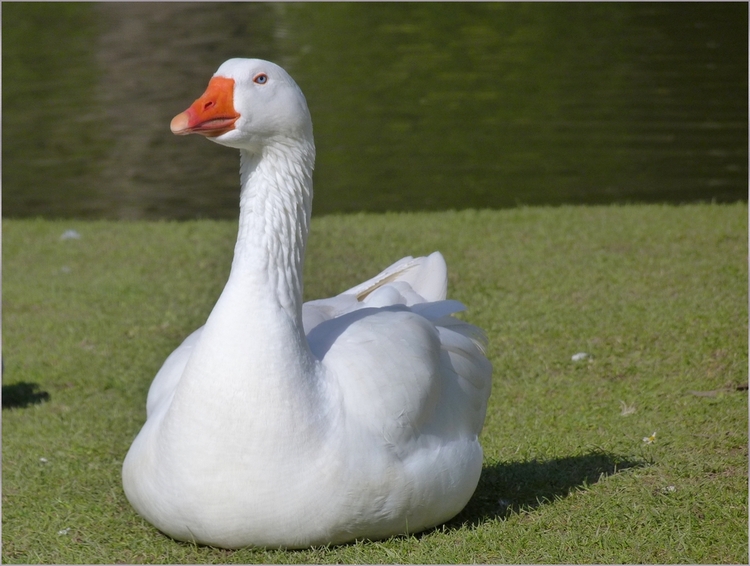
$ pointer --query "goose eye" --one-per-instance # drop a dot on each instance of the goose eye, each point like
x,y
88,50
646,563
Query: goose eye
x,y
260,78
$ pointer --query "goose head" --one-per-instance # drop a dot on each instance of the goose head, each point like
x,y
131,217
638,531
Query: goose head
x,y
248,104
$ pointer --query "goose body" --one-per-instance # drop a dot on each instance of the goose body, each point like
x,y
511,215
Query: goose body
x,y
283,424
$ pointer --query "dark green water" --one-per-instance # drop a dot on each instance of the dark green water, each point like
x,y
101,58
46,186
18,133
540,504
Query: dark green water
x,y
416,106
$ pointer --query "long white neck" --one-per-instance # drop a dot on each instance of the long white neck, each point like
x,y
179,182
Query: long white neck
x,y
253,354
275,206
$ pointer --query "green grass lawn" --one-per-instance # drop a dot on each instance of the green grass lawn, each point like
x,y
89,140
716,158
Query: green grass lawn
x,y
656,295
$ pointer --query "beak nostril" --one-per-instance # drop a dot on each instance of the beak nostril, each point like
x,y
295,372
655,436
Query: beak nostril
x,y
209,104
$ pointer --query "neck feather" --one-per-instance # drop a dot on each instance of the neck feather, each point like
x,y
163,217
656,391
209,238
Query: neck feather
x,y
275,207
252,356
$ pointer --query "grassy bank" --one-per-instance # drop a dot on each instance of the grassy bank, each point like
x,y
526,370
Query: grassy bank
x,y
655,295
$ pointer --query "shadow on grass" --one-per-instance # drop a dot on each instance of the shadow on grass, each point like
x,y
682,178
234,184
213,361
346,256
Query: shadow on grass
x,y
22,394
508,487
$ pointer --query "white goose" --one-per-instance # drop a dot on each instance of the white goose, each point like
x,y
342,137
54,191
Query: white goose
x,y
279,424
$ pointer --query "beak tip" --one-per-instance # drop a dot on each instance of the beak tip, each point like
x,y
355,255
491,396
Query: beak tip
x,y
179,123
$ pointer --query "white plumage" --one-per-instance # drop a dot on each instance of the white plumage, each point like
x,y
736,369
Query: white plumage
x,y
283,424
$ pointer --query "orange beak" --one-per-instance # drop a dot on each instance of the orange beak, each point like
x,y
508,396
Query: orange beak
x,y
212,114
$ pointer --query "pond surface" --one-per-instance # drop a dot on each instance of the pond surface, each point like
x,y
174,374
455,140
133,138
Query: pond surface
x,y
415,106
